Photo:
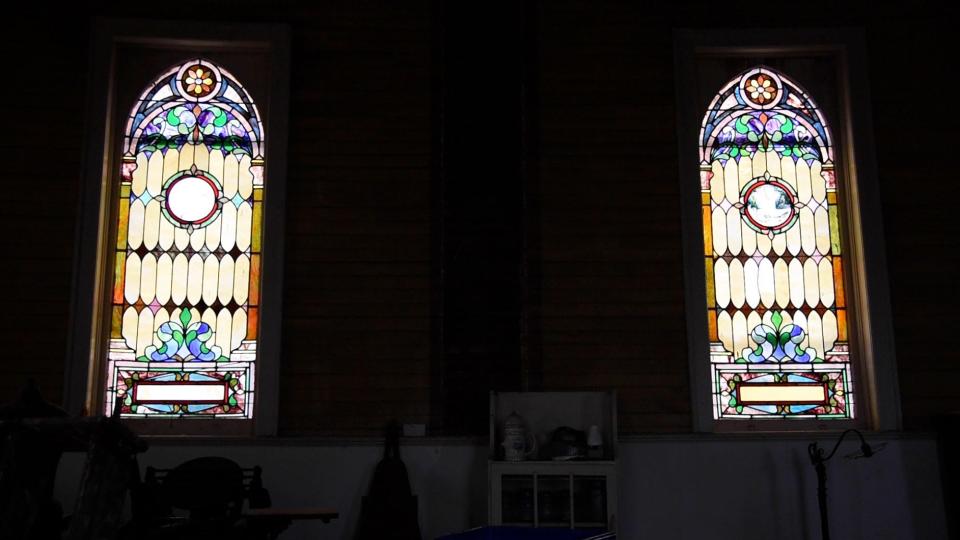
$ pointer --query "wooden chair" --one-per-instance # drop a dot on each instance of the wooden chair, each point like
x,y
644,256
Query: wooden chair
x,y
201,498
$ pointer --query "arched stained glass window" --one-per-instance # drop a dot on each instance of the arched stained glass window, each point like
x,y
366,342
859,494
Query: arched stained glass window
x,y
186,279
776,308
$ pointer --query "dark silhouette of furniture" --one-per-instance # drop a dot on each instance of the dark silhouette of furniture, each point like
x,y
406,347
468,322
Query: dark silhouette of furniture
x,y
33,436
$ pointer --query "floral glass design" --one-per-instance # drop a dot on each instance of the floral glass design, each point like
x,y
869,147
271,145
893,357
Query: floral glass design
x,y
773,259
184,304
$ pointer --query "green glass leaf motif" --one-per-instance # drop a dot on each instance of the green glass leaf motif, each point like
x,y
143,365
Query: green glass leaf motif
x,y
777,320
185,317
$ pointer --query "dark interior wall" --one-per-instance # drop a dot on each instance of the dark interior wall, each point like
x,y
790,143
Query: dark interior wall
x,y
408,290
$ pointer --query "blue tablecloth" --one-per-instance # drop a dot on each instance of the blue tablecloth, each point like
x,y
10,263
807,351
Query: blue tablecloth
x,y
528,533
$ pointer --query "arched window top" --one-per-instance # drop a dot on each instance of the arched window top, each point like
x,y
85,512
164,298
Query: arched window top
x,y
195,102
185,308
764,107
773,257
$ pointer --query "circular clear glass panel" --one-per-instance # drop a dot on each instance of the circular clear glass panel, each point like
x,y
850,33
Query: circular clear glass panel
x,y
769,205
192,199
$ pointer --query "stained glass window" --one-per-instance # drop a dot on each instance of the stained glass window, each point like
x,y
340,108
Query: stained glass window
x,y
773,257
187,251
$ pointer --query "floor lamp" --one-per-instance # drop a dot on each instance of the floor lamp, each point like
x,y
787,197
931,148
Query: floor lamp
x,y
818,458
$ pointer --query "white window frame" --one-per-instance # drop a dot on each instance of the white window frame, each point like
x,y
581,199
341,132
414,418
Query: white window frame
x,y
83,372
878,404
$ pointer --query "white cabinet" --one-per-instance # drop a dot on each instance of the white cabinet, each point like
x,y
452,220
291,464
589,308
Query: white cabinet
x,y
538,492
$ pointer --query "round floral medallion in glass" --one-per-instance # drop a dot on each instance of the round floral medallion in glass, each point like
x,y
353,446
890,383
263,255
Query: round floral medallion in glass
x,y
198,81
769,205
761,89
191,199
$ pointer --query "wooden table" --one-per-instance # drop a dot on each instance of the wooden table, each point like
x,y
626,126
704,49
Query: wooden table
x,y
274,521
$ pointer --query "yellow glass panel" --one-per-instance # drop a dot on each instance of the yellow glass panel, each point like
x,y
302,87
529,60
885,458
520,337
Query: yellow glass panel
x,y
832,197
717,190
817,182
123,218
256,227
751,283
148,278
731,181
129,327
834,230
215,165
793,238
741,335
822,218
707,230
212,233
178,283
245,178
748,237
737,293
753,319
258,195
131,285
245,218
167,234
230,172
116,322
719,231
773,163
781,393
826,281
201,156
139,181
808,231
144,330
744,175
164,278
119,265
151,224
241,280
725,330
722,279
759,164
254,279
764,245
766,283
210,317
779,244
135,230
171,165
842,325
704,197
804,192
781,279
181,238
223,333
838,282
239,331
788,171
225,286
252,321
733,231
197,239
228,231
830,331
187,155
815,333
195,280
797,292
211,278
811,281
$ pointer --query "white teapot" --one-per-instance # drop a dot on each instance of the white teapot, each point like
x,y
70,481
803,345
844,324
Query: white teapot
x,y
518,442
